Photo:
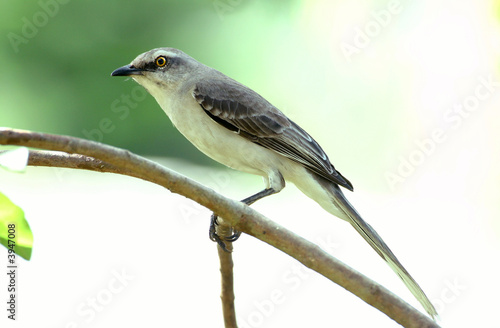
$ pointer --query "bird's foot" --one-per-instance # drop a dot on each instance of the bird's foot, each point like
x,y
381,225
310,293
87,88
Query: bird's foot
x,y
212,233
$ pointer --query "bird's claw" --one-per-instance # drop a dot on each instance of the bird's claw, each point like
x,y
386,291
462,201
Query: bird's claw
x,y
212,233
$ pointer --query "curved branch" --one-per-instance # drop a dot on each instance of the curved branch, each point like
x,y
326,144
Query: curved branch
x,y
235,213
77,161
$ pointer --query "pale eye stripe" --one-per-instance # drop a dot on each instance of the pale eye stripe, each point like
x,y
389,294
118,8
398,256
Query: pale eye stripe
x,y
165,53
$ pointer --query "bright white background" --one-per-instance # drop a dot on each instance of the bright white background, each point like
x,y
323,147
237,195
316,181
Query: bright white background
x,y
371,109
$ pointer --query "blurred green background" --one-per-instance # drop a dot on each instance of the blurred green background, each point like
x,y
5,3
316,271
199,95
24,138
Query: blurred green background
x,y
372,81
411,62
58,80
56,71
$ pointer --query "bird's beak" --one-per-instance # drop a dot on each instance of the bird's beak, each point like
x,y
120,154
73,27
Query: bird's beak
x,y
127,70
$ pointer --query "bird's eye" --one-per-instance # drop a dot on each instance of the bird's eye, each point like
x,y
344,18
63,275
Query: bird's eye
x,y
161,61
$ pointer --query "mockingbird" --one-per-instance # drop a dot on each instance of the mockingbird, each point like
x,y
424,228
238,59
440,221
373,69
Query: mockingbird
x,y
237,127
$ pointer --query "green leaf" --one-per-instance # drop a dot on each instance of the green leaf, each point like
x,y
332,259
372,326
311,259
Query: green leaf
x,y
15,232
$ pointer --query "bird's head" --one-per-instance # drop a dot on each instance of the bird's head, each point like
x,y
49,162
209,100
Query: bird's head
x,y
159,70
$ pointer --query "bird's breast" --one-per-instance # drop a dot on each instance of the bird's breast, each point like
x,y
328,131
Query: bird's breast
x,y
216,141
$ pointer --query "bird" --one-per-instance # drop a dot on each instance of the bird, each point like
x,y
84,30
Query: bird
x,y
236,126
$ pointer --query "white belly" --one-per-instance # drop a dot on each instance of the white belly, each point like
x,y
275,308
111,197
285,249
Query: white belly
x,y
217,142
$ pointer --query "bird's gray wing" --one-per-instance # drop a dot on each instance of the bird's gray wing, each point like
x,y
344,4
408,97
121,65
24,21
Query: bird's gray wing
x,y
245,112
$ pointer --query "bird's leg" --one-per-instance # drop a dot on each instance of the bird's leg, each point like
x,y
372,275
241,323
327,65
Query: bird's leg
x,y
261,194
274,182
236,234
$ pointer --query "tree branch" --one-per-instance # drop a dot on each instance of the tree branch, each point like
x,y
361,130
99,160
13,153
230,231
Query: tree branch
x,y
77,161
104,158
226,271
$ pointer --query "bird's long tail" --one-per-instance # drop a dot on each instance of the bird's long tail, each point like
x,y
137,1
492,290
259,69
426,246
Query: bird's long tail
x,y
376,242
